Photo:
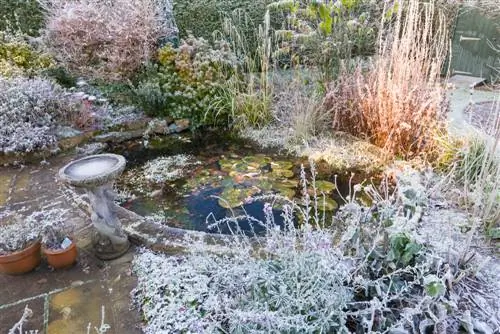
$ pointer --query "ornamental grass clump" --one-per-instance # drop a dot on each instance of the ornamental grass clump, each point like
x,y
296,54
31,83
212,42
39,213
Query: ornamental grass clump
x,y
398,104
369,272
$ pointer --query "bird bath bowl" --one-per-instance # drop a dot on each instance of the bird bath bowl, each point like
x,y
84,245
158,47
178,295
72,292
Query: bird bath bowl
x,y
96,174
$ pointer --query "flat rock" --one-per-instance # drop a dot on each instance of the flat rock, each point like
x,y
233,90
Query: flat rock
x,y
118,137
91,148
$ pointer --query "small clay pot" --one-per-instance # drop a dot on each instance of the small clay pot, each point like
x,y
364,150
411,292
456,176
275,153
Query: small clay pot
x,y
22,261
61,258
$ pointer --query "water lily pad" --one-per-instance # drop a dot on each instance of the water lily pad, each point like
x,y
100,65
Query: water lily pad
x,y
234,197
324,187
289,183
282,173
227,182
231,198
256,161
236,174
281,164
327,204
284,191
264,184
227,164
240,167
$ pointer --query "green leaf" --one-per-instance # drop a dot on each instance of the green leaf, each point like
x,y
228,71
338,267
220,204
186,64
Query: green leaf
x,y
434,286
326,19
494,233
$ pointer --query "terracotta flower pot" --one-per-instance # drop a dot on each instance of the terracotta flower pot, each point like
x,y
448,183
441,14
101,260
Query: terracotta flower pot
x,y
61,258
22,261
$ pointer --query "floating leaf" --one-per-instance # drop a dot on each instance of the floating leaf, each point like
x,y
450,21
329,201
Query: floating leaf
x,y
236,174
281,164
256,161
227,164
282,173
231,198
327,204
284,191
265,184
324,187
234,197
288,183
240,167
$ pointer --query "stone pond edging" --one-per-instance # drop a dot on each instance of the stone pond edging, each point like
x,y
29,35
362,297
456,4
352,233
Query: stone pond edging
x,y
160,238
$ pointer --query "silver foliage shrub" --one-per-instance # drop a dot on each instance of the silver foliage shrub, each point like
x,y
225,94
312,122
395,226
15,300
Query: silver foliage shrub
x,y
28,110
366,273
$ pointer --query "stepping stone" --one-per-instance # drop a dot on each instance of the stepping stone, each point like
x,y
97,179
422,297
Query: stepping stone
x,y
72,310
464,81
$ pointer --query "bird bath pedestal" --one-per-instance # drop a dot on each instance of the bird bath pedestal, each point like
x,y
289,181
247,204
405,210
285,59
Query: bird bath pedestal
x,y
96,174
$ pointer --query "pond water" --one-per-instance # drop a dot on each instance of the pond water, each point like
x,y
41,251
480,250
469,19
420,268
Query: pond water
x,y
189,182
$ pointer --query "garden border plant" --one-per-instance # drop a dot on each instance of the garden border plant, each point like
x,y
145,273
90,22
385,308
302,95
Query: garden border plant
x,y
367,273
29,110
106,40
398,104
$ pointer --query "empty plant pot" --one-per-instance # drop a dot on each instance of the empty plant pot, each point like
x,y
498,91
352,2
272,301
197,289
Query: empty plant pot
x,y
61,258
22,261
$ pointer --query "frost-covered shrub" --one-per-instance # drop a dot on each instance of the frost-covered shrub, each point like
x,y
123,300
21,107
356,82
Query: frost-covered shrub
x,y
18,57
369,273
186,81
21,15
106,39
28,109
326,33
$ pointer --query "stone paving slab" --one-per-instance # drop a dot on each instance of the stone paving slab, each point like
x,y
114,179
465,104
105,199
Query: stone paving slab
x,y
72,310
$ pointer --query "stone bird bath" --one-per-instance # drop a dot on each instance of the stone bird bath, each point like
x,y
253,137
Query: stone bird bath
x,y
96,174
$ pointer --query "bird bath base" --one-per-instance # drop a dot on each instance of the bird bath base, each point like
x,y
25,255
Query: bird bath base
x,y
96,174
104,249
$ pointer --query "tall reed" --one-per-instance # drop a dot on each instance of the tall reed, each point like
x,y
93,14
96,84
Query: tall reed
x,y
247,95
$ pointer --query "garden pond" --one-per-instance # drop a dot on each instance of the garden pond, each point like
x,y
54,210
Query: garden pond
x,y
190,182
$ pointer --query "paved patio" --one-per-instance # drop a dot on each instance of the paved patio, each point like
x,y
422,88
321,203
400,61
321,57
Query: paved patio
x,y
63,301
